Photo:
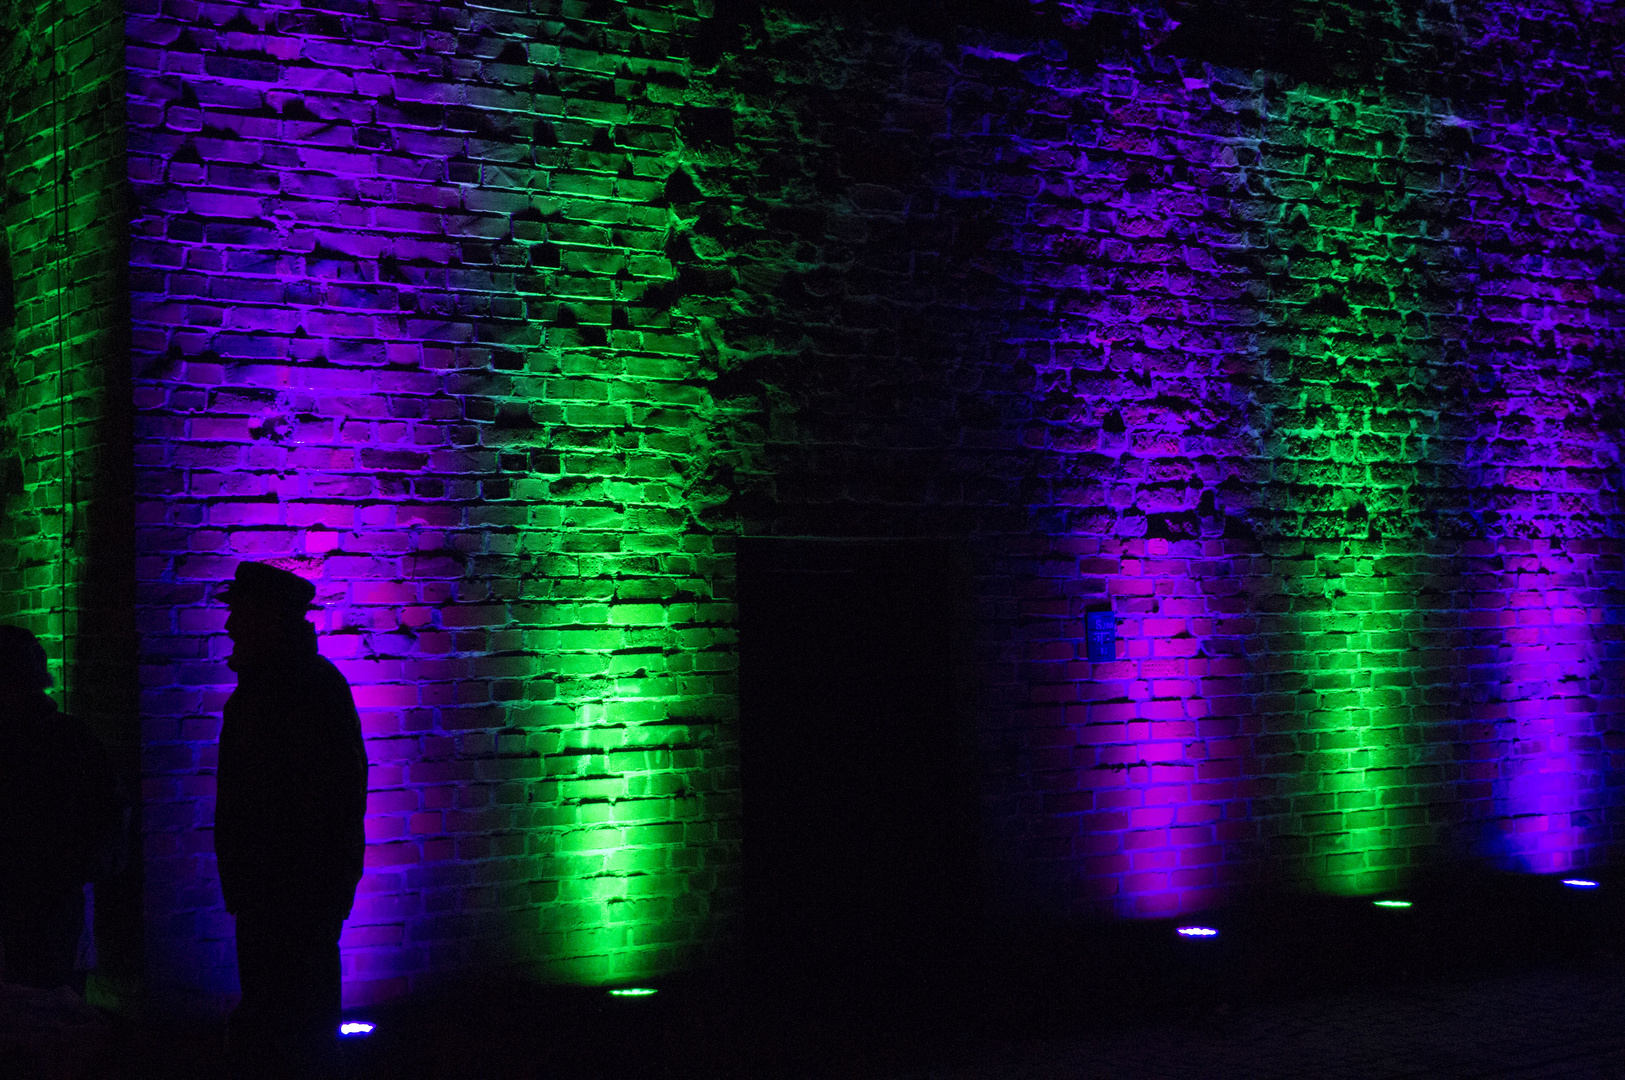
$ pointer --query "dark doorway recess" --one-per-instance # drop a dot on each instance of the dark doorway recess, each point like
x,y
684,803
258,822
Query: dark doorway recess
x,y
860,844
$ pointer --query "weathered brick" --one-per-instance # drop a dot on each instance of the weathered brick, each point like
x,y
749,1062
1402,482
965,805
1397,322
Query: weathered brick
x,y
1272,368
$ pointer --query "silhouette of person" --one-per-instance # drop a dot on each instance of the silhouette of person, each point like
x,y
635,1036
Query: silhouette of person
x,y
60,813
291,794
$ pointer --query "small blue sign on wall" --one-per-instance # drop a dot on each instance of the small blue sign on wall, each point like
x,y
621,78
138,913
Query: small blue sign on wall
x,y
1101,628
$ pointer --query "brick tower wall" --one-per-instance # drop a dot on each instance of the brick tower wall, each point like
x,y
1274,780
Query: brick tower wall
x,y
1293,344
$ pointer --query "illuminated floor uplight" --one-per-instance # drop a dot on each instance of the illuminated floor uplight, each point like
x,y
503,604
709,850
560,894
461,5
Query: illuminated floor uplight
x,y
1392,903
355,1027
1198,931
1579,883
633,991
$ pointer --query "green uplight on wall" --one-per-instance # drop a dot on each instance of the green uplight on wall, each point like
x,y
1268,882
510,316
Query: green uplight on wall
x,y
1347,455
630,647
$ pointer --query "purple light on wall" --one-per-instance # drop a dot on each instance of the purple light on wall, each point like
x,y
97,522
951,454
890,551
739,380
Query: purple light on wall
x,y
1162,770
1552,769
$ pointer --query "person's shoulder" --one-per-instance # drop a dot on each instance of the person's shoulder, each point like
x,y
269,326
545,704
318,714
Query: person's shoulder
x,y
86,744
61,727
76,727
46,735
326,670
326,679
24,735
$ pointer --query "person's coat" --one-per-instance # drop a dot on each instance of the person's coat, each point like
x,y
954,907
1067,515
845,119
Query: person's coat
x,y
291,788
59,800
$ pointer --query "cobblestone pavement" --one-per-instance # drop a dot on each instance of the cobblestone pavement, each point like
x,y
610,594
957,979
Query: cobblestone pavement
x,y
1534,1026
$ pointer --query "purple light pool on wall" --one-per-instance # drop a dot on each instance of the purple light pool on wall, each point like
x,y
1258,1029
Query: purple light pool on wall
x,y
1551,682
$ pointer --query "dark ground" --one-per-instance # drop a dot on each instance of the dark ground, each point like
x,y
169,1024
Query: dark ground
x,y
1483,977
1540,1024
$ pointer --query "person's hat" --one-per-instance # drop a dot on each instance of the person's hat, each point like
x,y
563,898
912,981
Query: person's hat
x,y
22,658
262,583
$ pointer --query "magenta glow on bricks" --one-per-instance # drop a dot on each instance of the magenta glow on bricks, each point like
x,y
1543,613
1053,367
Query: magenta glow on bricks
x,y
501,325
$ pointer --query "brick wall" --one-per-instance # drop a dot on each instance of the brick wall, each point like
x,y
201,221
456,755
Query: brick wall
x,y
1293,341
65,482
1290,337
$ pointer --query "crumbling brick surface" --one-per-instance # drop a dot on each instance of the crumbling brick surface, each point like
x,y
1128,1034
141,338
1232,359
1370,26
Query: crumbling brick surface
x,y
1293,342
1290,337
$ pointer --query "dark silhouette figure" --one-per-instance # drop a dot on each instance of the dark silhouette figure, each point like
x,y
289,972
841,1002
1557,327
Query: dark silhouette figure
x,y
291,796
60,814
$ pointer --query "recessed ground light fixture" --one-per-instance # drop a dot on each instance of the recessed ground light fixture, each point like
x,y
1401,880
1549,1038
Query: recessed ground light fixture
x,y
1392,903
352,1028
1197,931
633,991
1579,883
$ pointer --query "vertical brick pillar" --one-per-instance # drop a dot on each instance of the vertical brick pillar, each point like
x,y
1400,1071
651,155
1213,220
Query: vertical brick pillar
x,y
64,467
65,479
